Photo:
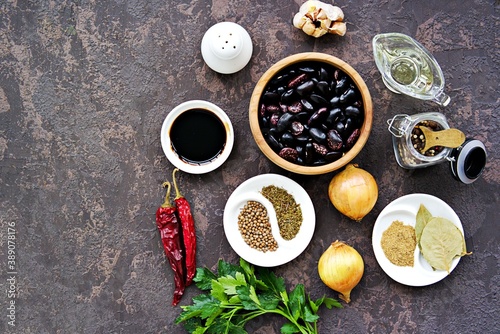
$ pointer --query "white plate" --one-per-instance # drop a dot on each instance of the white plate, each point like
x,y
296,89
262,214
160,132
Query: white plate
x,y
405,210
287,249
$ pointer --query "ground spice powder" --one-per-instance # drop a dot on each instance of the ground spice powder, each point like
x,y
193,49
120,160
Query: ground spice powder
x,y
398,243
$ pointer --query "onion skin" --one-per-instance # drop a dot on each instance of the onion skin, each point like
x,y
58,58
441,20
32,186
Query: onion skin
x,y
341,267
353,192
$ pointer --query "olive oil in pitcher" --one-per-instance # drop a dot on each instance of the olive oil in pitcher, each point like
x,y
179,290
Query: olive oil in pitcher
x,y
408,68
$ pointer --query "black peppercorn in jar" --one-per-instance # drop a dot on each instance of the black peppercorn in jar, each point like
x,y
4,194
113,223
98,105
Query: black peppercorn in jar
x,y
418,138
408,139
467,161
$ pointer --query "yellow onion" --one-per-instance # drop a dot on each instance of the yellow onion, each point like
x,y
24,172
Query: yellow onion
x,y
353,192
341,267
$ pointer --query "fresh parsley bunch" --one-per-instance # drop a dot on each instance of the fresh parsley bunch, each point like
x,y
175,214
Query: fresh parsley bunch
x,y
236,294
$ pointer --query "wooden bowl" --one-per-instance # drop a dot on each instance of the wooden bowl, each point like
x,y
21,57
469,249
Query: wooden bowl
x,y
255,104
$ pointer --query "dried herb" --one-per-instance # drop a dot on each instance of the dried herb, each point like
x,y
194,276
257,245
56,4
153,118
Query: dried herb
x,y
441,242
398,243
423,217
288,212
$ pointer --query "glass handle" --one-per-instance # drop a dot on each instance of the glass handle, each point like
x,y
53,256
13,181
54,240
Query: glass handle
x,y
397,131
442,99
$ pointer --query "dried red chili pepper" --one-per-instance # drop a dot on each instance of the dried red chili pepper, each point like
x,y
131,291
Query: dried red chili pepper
x,y
168,225
188,231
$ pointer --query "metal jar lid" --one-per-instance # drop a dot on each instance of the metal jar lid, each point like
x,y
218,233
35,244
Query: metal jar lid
x,y
468,161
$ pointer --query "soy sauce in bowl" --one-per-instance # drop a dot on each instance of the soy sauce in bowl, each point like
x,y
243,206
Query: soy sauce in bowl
x,y
198,136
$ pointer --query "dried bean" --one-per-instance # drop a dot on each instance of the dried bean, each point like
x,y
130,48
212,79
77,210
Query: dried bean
x,y
324,88
342,85
274,119
297,128
283,108
324,75
300,151
352,111
318,116
353,138
302,139
295,107
307,106
289,154
262,110
319,100
303,117
348,96
339,127
287,139
270,97
320,149
284,122
307,70
288,96
335,101
333,156
333,116
273,142
272,108
334,140
349,125
309,151
317,135
297,80
305,88
279,81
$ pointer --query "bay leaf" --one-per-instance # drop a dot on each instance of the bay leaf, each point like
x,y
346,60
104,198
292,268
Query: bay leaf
x,y
441,242
423,217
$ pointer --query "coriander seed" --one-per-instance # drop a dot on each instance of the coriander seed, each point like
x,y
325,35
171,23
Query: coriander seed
x,y
255,228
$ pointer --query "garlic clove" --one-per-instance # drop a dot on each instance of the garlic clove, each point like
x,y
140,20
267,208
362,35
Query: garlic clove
x,y
317,18
338,28
334,13
321,15
299,20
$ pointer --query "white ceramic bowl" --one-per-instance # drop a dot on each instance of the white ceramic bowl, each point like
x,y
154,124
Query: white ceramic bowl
x,y
173,156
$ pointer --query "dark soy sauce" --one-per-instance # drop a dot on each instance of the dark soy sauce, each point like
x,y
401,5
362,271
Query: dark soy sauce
x,y
198,136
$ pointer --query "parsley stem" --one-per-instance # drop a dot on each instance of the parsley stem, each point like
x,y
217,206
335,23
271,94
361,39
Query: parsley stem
x,y
302,329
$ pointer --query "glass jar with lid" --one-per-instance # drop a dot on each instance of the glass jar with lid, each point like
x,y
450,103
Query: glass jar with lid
x,y
467,161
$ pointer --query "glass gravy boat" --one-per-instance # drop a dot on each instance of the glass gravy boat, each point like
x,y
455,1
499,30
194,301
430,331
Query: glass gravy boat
x,y
408,68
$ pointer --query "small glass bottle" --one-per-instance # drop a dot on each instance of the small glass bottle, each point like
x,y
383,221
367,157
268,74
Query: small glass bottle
x,y
467,161
402,128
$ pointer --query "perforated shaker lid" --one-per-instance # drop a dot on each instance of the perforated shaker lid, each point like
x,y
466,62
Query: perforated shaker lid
x,y
226,47
468,161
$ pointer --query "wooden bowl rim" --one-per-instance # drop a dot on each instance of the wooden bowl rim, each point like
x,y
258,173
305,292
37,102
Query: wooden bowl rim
x,y
298,58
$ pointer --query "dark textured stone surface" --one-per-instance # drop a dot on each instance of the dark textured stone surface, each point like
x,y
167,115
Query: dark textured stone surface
x,y
84,88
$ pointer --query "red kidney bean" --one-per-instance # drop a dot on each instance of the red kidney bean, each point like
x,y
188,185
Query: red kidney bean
x,y
289,154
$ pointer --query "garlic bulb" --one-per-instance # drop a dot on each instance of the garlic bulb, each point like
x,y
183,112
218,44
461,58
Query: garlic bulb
x,y
317,18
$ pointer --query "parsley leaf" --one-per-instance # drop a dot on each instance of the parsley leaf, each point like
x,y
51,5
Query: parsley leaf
x,y
204,278
238,293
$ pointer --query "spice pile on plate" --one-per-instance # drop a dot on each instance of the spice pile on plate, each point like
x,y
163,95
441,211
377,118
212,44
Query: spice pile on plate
x,y
288,212
398,243
255,228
